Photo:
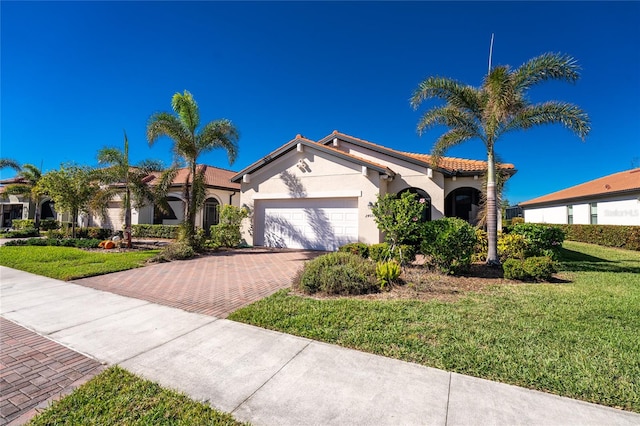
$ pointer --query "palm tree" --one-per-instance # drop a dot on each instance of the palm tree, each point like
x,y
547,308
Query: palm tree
x,y
29,176
498,106
9,163
189,143
120,174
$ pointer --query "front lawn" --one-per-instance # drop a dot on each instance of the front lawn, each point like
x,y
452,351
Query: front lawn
x,y
68,263
117,397
577,338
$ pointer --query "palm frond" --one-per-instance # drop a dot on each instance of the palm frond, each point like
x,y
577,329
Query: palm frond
x,y
165,124
449,139
219,134
447,116
9,163
187,109
570,116
111,156
162,188
147,166
548,66
198,190
439,87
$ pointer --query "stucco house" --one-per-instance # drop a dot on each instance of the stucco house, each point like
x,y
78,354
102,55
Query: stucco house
x,y
609,200
219,190
318,194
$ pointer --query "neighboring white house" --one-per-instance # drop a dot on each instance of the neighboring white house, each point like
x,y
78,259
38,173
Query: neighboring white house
x,y
610,200
318,195
219,191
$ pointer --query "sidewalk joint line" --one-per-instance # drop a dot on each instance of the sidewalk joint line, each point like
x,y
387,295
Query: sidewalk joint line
x,y
97,319
214,319
271,377
446,413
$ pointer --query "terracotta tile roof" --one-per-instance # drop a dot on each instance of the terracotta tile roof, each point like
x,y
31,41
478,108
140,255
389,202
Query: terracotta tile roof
x,y
627,181
213,176
450,164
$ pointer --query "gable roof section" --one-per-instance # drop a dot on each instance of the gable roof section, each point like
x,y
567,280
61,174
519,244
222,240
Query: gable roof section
x,y
447,165
615,184
292,144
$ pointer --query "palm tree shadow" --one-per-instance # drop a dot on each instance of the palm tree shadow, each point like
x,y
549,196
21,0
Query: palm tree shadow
x,y
574,261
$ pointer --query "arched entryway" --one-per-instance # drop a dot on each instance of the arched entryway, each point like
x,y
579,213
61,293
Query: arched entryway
x,y
463,203
420,195
160,217
47,211
211,213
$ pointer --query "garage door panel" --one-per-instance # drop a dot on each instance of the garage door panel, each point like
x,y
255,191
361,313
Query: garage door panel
x,y
310,224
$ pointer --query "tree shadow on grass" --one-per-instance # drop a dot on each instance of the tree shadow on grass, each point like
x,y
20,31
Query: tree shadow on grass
x,y
575,261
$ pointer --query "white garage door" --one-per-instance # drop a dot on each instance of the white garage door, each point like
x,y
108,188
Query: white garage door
x,y
317,224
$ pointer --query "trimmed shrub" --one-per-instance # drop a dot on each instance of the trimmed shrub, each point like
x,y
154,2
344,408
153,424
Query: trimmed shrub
x,y
155,231
94,232
48,224
542,240
361,249
448,244
538,268
22,233
512,246
65,242
387,273
620,236
481,247
338,273
227,232
382,253
20,224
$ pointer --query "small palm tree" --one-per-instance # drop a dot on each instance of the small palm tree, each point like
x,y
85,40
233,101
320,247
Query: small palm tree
x,y
498,106
120,174
189,144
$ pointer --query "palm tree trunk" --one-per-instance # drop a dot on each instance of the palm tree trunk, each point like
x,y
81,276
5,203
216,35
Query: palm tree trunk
x,y
492,219
192,204
127,217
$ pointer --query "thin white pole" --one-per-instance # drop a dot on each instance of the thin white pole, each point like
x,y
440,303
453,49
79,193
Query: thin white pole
x,y
490,53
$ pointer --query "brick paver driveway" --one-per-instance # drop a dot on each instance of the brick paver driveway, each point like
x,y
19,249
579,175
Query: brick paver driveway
x,y
34,370
215,284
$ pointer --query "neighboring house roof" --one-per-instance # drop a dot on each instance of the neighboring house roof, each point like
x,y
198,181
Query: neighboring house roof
x,y
446,165
299,139
213,176
13,180
615,184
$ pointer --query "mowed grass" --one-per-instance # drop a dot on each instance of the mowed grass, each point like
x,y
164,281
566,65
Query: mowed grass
x,y
68,263
117,397
579,338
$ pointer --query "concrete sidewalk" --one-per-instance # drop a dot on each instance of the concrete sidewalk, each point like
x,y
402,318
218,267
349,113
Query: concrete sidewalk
x,y
270,378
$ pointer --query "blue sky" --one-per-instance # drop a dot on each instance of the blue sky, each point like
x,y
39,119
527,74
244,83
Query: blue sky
x,y
75,74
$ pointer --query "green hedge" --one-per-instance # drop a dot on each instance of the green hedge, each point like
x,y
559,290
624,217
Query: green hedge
x,y
20,224
155,231
64,242
620,236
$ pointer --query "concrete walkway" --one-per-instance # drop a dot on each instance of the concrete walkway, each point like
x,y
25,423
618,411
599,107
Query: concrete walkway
x,y
270,378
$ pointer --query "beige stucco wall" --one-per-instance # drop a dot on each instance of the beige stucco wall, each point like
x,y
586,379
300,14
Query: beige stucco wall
x,y
319,176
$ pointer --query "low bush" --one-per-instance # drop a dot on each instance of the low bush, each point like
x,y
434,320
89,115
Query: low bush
x,y
382,252
227,232
481,247
155,231
448,244
48,224
620,236
542,240
94,232
64,242
361,249
21,233
538,268
387,273
338,273
511,246
20,224
179,250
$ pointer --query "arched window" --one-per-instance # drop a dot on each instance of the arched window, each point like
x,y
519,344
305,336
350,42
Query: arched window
x,y
463,203
420,195
211,213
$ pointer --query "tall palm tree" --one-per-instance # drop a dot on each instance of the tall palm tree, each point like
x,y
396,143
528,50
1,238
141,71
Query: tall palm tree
x,y
498,106
29,176
189,143
119,175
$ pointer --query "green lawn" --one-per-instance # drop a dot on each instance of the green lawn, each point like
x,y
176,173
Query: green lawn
x,y
579,338
68,263
117,397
